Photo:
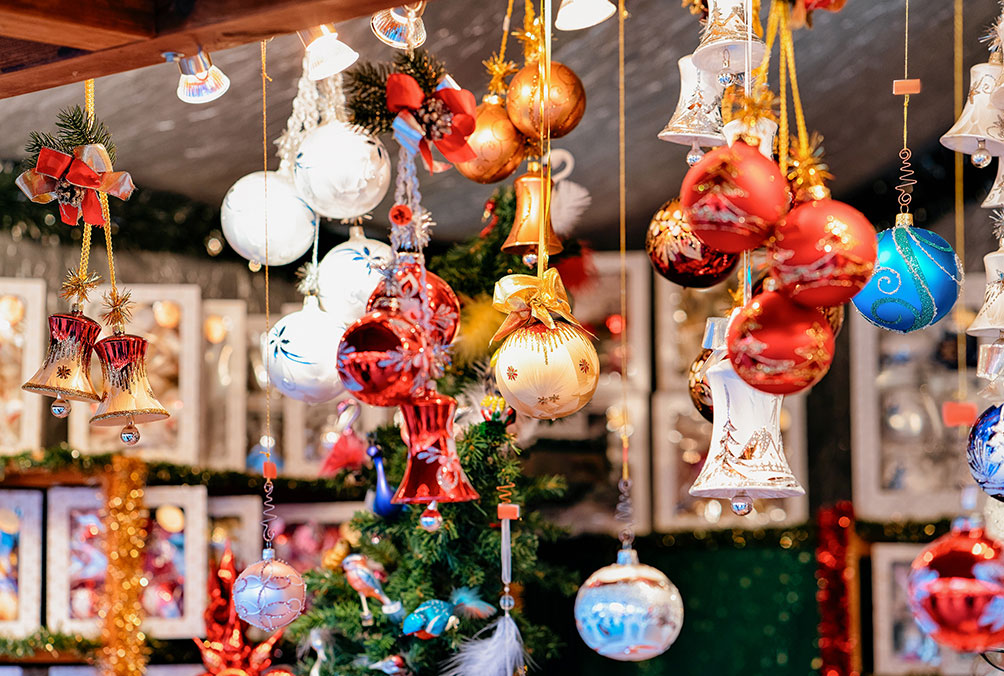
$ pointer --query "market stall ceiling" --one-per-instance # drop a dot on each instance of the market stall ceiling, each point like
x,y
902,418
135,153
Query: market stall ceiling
x,y
845,65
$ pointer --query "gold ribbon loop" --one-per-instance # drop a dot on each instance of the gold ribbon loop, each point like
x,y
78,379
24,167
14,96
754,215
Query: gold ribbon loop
x,y
527,297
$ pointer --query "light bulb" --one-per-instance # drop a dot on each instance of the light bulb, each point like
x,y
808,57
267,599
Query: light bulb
x,y
575,15
400,27
326,54
201,81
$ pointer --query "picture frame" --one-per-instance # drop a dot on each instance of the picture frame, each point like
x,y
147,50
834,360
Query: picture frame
x,y
898,642
23,338
224,384
236,518
149,670
304,531
170,318
905,463
75,565
20,562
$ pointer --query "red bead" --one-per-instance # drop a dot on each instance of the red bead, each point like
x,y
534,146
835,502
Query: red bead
x,y
269,470
400,214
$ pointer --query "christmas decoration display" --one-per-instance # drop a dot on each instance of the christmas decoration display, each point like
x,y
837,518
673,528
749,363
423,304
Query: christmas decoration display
x,y
984,452
383,497
432,618
628,611
406,297
297,354
681,257
723,49
976,133
699,387
697,121
956,587
380,357
290,219
347,451
66,371
362,577
349,273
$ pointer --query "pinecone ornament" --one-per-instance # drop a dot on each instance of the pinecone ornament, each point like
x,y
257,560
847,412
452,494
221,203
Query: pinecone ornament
x,y
435,118
67,193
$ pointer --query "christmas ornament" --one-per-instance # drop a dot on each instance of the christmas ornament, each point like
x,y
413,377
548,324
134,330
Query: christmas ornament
x,y
956,588
989,321
698,386
566,102
916,279
628,611
346,451
679,256
697,121
986,452
498,146
445,118
349,273
823,253
402,290
297,354
269,594
341,171
778,346
393,666
995,196
380,357
432,618
126,397
433,473
977,132
724,41
383,498
290,219
733,197
66,372
361,577
430,520
524,236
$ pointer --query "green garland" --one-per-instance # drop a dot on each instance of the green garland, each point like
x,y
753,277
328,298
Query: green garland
x,y
74,128
44,643
366,87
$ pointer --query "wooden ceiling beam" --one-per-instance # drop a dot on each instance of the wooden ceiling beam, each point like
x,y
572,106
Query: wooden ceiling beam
x,y
83,24
211,24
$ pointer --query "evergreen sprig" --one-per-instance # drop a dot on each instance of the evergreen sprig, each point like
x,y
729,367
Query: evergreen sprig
x,y
73,128
366,87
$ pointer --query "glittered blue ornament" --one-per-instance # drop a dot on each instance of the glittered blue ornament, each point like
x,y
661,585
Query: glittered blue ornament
x,y
986,452
916,280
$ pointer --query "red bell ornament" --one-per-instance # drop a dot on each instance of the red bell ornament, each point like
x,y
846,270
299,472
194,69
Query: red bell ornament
x,y
778,346
380,357
66,372
433,473
442,304
679,256
127,398
823,253
733,197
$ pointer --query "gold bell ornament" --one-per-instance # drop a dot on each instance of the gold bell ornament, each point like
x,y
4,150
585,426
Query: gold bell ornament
x,y
524,237
979,132
127,398
723,42
66,372
697,121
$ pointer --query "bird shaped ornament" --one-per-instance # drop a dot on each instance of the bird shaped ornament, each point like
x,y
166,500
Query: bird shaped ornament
x,y
433,618
393,666
383,494
361,575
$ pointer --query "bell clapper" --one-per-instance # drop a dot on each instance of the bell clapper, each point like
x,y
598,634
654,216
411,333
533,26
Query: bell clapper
x,y
695,154
742,504
130,433
530,259
60,408
725,75
982,158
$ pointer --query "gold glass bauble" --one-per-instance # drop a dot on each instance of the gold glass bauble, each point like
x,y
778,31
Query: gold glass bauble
x,y
566,100
498,146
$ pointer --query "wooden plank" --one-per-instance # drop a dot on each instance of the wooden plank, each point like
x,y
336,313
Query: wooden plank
x,y
84,24
213,24
20,54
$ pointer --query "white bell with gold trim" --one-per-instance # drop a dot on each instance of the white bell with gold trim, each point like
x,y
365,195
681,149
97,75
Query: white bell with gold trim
x,y
979,131
723,42
698,117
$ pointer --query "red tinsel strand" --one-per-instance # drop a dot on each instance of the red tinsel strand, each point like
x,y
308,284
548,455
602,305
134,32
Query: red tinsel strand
x,y
834,577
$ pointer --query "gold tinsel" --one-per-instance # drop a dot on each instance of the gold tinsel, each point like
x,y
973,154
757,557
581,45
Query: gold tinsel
x,y
118,308
760,104
807,172
499,69
123,645
77,285
695,6
531,36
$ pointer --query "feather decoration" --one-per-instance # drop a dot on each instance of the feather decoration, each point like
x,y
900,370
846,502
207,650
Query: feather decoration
x,y
997,218
568,202
501,654
468,603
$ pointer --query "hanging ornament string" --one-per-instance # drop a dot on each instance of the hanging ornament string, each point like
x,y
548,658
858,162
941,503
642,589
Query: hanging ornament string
x,y
960,222
85,245
544,77
499,68
906,179
269,470
746,269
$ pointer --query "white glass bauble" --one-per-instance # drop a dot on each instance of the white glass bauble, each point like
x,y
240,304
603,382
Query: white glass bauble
x,y
341,171
299,354
349,273
291,223
269,594
547,373
628,611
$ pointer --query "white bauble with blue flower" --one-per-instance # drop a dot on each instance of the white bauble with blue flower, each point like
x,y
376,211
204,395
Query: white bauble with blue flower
x,y
291,223
300,354
341,171
349,274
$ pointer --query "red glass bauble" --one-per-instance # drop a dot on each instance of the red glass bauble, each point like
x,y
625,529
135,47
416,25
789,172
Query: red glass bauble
x,y
699,387
379,358
679,256
823,253
834,314
733,197
829,5
778,346
956,590
442,304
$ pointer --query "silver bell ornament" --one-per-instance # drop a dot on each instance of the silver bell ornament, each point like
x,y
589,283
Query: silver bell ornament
x,y
349,274
298,354
723,42
628,611
995,196
979,131
291,223
989,321
697,121
269,594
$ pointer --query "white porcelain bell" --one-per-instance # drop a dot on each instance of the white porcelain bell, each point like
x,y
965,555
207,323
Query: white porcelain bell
x,y
989,320
995,198
723,41
698,117
765,130
980,129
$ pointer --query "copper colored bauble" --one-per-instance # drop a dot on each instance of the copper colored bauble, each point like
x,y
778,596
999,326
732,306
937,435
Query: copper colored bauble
x,y
497,144
733,197
566,100
679,256
778,346
956,589
380,357
442,305
823,253
699,388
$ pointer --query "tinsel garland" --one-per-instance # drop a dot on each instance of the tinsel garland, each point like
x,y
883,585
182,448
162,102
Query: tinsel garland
x,y
838,594
44,645
123,644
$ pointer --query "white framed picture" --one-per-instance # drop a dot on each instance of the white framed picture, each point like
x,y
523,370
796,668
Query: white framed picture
x,y
304,531
681,438
23,337
256,439
906,463
149,670
175,558
235,519
170,318
20,562
900,647
224,384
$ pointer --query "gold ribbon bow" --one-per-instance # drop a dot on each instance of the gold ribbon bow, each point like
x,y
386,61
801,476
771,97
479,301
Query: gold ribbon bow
x,y
527,297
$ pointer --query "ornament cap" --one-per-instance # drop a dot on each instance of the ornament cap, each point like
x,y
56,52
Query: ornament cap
x,y
627,557
267,554
904,219
715,331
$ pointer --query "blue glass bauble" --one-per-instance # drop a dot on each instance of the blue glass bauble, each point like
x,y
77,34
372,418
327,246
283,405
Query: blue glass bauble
x,y
916,281
986,452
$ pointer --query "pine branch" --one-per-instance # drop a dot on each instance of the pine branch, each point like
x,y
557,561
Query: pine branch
x,y
36,141
75,129
366,96
423,66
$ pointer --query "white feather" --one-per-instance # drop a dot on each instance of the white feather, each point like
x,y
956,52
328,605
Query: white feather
x,y
501,654
568,202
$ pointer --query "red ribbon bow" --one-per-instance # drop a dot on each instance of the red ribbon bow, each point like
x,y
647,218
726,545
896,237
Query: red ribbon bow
x,y
405,95
89,168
